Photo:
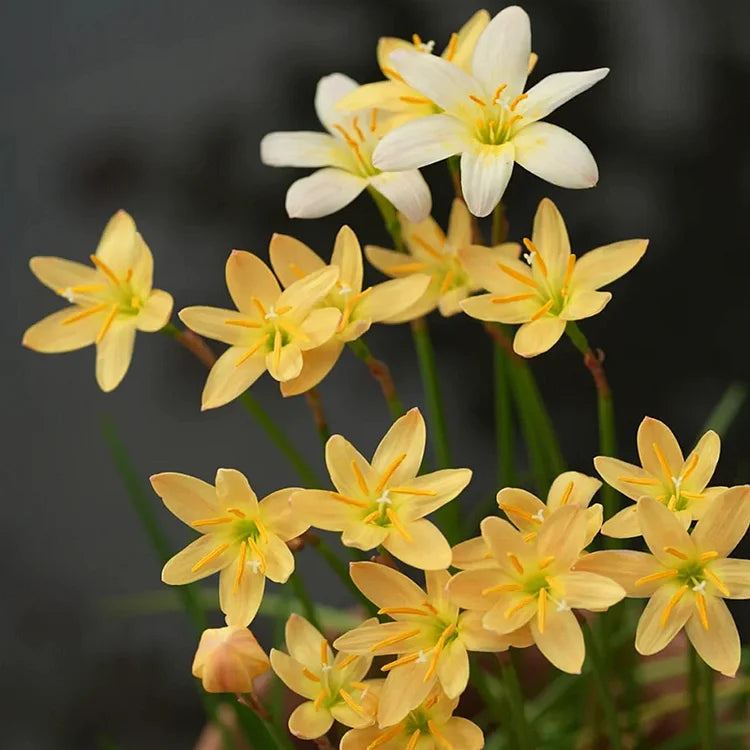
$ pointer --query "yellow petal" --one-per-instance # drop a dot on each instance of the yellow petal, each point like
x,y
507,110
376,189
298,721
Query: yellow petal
x,y
279,516
59,274
594,518
291,259
661,529
511,611
213,322
344,714
651,636
279,559
303,642
435,585
625,524
143,267
724,522
583,303
247,277
446,485
719,646
113,354
52,335
502,539
405,688
404,442
156,312
426,549
562,536
362,639
318,328
453,669
391,298
179,569
612,471
524,510
699,471
538,336
306,293
653,432
472,554
234,491
603,265
386,46
340,454
505,251
227,379
364,536
228,660
360,739
347,255
321,510
383,259
483,307
550,236
734,574
463,733
381,94
459,225
583,490
593,591
316,364
475,637
450,302
188,498
562,640
386,587
287,365
465,588
240,601
624,566
290,673
118,246
423,306
424,239
308,722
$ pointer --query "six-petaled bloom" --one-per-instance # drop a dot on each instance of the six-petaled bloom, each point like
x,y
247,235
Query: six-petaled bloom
x,y
109,301
552,288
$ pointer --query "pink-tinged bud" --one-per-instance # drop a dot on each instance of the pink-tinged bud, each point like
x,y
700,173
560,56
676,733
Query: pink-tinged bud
x,y
228,660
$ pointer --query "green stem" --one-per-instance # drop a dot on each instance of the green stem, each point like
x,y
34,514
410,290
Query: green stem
x,y
382,374
601,678
254,719
390,218
509,668
301,592
503,417
708,705
694,687
499,224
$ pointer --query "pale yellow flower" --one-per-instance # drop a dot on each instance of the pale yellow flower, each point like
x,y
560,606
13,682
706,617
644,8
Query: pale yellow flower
x,y
334,685
228,660
292,260
394,94
553,288
242,539
534,585
687,577
472,554
431,726
269,330
430,636
384,502
678,483
109,301
436,254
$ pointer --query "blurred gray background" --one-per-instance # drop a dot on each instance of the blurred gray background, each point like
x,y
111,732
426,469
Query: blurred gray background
x,y
158,108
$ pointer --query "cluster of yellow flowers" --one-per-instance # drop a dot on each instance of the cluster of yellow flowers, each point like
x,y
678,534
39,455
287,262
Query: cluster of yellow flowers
x,y
521,581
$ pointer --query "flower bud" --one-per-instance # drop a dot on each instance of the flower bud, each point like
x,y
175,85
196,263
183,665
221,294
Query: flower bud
x,y
228,660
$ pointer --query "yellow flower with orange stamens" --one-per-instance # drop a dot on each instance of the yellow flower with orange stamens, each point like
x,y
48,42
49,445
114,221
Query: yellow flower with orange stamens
x,y
553,288
436,254
664,475
534,585
269,330
428,634
430,726
241,539
109,302
334,685
292,260
394,94
384,502
687,577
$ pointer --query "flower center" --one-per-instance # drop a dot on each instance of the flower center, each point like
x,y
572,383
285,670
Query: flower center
x,y
497,118
361,142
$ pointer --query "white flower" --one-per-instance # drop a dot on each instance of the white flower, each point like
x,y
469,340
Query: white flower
x,y
345,155
488,119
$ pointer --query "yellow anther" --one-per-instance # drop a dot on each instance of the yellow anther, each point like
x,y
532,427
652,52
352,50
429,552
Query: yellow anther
x,y
700,600
135,303
662,461
656,576
513,120
499,90
541,611
416,40
240,568
236,512
357,130
447,281
537,256
209,557
566,495
530,537
105,269
262,529
545,562
398,525
107,323
310,675
647,481
543,310
244,323
371,516
690,467
412,491
517,512
479,122
515,562
451,51
211,521
360,477
351,702
518,605
406,268
252,350
414,739
344,663
277,349
388,473
389,734
717,582
426,246
481,102
675,553
568,273
81,289
297,271
391,73
438,736
414,99
128,275
430,702
401,611
708,556
399,662
357,685
323,652
533,59
85,313
394,639
500,588
259,306
348,500
517,275
672,604
439,646
512,298
517,101
429,606
692,495
322,695
374,120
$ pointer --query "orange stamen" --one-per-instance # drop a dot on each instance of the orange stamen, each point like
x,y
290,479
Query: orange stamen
x,y
389,734
675,553
692,495
374,120
310,675
348,500
414,99
240,568
388,473
85,313
105,269
416,40
429,606
700,600
244,323
351,702
252,350
566,495
401,611
438,736
672,604
662,461
690,467
515,562
640,480
236,512
541,609
396,522
500,588
394,639
543,310
717,582
297,271
546,562
447,281
517,101
451,51
512,298
360,477
412,491
568,273
344,663
210,521
708,556
262,529
517,275
499,90
512,120
277,349
406,268
479,101
518,605
426,246
320,698
438,650
259,306
209,557
261,557
371,517
537,256
107,323
656,576
324,651
399,662
517,512
357,130
391,73
413,739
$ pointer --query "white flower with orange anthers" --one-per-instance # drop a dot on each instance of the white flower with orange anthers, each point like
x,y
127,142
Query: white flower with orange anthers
x,y
428,634
394,94
527,512
430,726
679,483
384,502
269,330
534,585
242,539
345,155
292,260
488,119
109,302
552,288
334,686
687,577
436,254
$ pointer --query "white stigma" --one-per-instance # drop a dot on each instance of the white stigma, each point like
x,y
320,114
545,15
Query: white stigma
x,y
677,482
539,515
384,499
326,667
345,289
271,313
69,295
563,606
700,587
255,565
422,658
528,257
427,46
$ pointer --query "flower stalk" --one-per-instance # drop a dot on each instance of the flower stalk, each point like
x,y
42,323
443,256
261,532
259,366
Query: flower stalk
x,y
315,403
382,375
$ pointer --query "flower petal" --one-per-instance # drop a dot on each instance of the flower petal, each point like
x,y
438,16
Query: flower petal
x,y
179,569
308,722
347,255
316,364
459,225
403,443
724,522
279,560
322,193
556,89
303,641
475,637
613,471
584,304
735,575
291,259
538,336
483,307
446,484
188,498
661,530
406,190
651,635
472,554
503,539
550,237
119,247
581,492
279,516
216,323
113,354
364,536
585,590
601,266
453,669
512,500
463,733
156,311
465,588
247,276
625,567
58,273
562,535
228,379
289,671
625,524
466,41
52,335
386,587
287,365
555,155
561,641
391,298
330,90
405,688
707,451
318,328
652,432
426,549
719,645
340,455
234,491
361,640
304,149
240,601
510,612
303,295
381,95
485,172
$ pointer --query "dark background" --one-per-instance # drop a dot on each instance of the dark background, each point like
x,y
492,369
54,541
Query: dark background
x,y
158,108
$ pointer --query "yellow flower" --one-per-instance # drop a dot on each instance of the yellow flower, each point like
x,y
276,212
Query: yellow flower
x,y
553,288
269,330
109,302
333,685
384,502
534,585
431,726
678,483
243,539
472,554
394,94
228,660
433,253
429,635
527,512
686,577
292,260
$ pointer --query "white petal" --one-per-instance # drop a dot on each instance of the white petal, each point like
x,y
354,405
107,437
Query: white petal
x,y
304,149
407,191
502,51
330,90
485,172
553,91
323,192
556,155
421,142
